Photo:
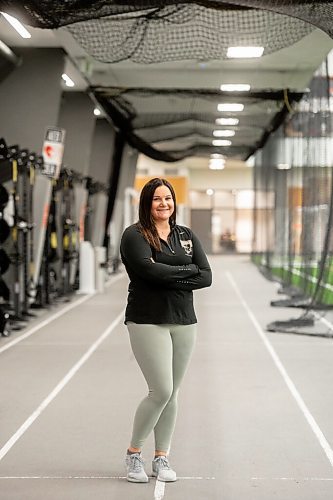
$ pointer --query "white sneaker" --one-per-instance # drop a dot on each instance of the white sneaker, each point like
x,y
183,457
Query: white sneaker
x,y
135,470
162,469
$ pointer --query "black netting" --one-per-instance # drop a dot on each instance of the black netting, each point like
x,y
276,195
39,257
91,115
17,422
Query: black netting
x,y
152,31
171,136
185,32
293,238
148,120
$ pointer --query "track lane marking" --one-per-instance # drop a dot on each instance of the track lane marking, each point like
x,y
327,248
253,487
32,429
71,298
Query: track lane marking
x,y
58,388
55,316
290,384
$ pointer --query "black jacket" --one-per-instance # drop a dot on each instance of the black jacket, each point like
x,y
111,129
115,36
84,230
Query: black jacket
x,y
161,283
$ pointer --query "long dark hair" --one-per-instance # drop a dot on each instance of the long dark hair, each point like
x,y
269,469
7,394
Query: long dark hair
x,y
146,222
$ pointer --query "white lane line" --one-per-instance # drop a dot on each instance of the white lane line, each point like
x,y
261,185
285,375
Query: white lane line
x,y
99,477
297,479
30,420
323,320
54,316
159,490
291,386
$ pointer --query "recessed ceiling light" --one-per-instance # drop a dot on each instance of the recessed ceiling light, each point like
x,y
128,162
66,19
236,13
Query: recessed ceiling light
x,y
216,161
227,121
283,166
15,23
229,106
216,156
69,82
221,142
210,191
216,168
97,112
235,87
217,164
223,133
245,51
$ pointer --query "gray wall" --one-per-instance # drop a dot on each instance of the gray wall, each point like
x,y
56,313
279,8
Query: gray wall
x,y
201,223
30,97
126,179
78,119
102,149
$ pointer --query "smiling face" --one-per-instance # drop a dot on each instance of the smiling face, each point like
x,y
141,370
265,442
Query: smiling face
x,y
162,206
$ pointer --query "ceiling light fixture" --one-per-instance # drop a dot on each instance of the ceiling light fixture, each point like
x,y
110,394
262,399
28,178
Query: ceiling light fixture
x,y
283,166
227,121
235,87
6,49
229,106
15,23
245,52
69,82
217,164
221,142
210,191
217,161
216,156
97,112
216,167
223,133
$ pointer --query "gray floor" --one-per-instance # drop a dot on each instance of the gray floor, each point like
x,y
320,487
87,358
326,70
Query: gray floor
x,y
255,417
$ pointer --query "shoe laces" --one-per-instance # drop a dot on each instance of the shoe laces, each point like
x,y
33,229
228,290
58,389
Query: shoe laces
x,y
136,462
162,462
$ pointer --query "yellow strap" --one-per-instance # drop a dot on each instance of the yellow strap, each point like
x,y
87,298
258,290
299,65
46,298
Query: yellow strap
x,y
74,238
32,175
54,240
14,165
14,233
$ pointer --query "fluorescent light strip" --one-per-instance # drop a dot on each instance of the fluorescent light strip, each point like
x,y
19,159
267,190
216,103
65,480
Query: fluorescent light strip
x,y
5,49
221,142
15,23
223,133
227,121
216,167
235,87
226,106
69,82
245,52
216,156
217,161
216,164
283,166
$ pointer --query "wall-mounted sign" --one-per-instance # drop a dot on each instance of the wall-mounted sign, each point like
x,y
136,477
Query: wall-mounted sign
x,y
53,150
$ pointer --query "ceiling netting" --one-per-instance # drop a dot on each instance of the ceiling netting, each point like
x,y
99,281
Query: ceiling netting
x,y
186,119
159,31
181,32
141,18
156,31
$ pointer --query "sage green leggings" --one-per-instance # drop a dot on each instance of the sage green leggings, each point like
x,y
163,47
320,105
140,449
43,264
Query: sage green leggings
x,y
163,353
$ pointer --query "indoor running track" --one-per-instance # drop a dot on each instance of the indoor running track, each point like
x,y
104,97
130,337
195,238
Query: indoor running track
x,y
255,419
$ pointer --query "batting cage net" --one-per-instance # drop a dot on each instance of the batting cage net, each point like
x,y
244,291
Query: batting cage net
x,y
151,31
155,31
187,118
293,238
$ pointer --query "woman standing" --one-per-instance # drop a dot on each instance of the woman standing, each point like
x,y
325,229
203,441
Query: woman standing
x,y
164,262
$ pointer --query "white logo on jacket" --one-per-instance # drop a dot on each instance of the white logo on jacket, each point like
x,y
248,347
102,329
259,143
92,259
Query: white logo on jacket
x,y
187,245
